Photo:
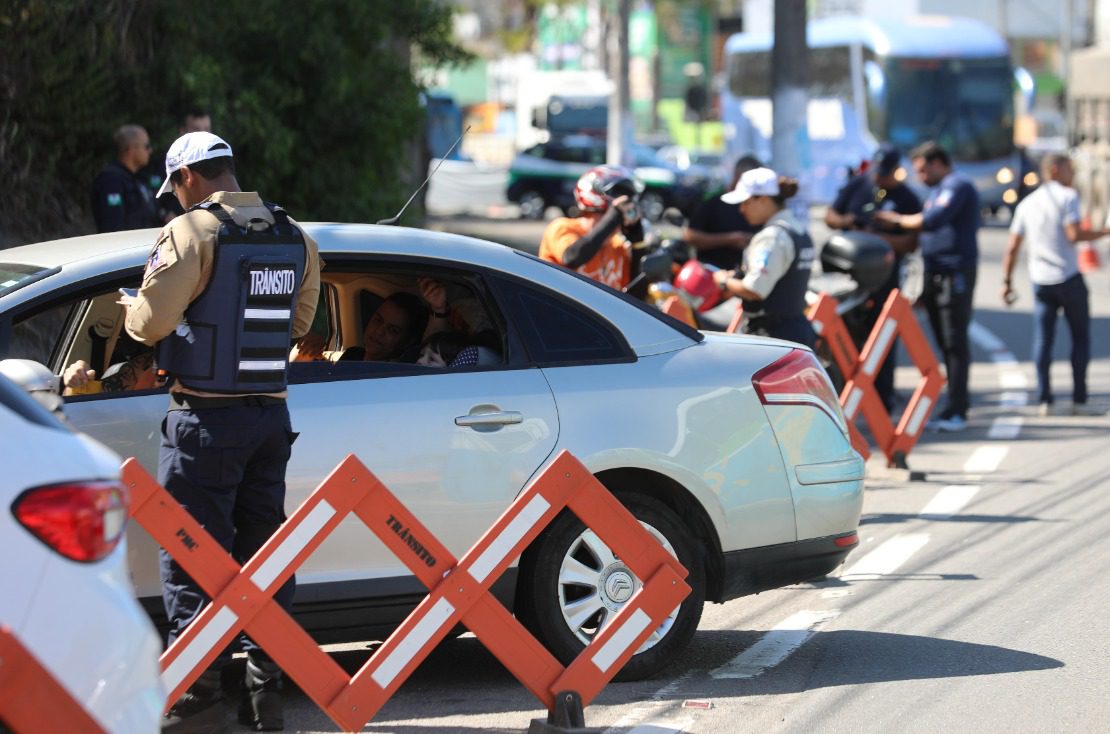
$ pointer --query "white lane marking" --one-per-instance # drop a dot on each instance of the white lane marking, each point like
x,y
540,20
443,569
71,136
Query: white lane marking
x,y
985,338
496,551
1012,379
657,707
985,459
949,501
417,637
1014,399
205,640
668,728
1006,427
280,559
776,645
886,559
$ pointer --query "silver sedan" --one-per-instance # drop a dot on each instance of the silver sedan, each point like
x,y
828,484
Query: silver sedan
x,y
731,450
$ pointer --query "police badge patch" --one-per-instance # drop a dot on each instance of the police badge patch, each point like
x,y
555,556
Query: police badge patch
x,y
115,199
162,256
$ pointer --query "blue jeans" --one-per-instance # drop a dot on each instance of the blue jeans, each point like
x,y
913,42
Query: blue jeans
x,y
226,466
1071,297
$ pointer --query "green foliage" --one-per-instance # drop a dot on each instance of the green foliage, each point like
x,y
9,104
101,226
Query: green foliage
x,y
316,97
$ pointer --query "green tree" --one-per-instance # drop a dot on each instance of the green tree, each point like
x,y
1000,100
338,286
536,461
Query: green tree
x,y
316,97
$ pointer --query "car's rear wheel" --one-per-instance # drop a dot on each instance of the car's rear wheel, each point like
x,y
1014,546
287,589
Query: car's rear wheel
x,y
532,205
571,585
652,205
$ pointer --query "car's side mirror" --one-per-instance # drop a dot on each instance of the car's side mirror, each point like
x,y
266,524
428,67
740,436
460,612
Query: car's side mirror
x,y
37,380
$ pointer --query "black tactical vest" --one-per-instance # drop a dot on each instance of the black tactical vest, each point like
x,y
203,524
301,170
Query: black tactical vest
x,y
788,298
235,336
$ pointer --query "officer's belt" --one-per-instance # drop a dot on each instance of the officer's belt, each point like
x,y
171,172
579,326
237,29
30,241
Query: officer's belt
x,y
181,401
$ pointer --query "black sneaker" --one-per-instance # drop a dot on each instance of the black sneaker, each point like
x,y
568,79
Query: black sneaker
x,y
261,707
200,709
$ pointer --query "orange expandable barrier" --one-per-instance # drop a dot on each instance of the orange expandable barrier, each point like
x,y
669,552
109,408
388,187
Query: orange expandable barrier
x,y
31,699
859,370
459,589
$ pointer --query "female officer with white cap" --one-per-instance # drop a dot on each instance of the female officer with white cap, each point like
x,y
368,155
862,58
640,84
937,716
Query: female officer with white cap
x,y
777,263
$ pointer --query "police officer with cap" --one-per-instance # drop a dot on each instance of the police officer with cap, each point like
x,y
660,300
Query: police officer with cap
x,y
777,262
229,284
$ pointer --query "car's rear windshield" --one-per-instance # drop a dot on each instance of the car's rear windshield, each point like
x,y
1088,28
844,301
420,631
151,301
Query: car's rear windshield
x,y
14,276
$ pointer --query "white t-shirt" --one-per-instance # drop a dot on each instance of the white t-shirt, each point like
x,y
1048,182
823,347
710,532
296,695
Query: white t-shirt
x,y
1040,220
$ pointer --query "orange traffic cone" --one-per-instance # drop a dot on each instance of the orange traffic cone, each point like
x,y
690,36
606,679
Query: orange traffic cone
x,y
1087,254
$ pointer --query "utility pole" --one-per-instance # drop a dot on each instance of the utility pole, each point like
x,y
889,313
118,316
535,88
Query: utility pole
x,y
790,87
620,109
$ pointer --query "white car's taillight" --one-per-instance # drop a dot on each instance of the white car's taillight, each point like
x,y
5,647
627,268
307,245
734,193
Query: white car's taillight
x,y
798,379
82,521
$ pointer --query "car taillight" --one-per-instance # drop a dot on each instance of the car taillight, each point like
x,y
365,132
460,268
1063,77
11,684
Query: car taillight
x,y
83,521
798,379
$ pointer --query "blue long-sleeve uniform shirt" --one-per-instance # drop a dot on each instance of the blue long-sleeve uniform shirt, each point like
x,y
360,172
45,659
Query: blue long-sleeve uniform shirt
x,y
949,234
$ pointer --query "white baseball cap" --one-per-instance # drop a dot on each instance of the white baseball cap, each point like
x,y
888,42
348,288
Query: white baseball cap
x,y
756,182
192,148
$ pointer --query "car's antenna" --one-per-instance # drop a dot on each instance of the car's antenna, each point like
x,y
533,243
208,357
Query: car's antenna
x,y
395,219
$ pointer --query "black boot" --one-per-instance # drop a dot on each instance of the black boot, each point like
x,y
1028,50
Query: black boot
x,y
261,706
200,709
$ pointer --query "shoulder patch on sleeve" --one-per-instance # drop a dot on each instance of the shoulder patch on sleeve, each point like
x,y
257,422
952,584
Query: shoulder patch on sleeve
x,y
115,199
161,257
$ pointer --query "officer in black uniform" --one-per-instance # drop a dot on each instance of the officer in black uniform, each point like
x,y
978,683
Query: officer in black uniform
x,y
120,199
777,262
229,284
879,189
717,230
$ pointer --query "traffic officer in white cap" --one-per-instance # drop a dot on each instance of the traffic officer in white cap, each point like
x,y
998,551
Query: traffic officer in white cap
x,y
229,284
777,262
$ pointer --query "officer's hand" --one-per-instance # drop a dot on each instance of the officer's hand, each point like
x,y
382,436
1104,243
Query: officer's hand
x,y
1008,295
721,277
308,349
78,374
891,218
433,293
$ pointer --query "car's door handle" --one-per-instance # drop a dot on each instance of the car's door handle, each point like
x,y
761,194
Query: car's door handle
x,y
478,420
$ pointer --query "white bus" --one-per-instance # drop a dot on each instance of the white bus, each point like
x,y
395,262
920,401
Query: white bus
x,y
875,81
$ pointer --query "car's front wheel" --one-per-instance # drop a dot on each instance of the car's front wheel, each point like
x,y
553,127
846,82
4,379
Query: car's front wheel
x,y
532,205
652,205
571,585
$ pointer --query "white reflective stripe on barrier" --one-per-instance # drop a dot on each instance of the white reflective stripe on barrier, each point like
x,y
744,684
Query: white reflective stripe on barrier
x,y
260,365
886,333
852,405
621,639
923,407
407,649
266,313
293,544
496,551
205,640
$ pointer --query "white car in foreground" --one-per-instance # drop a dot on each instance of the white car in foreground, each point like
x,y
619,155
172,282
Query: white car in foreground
x,y
66,593
732,449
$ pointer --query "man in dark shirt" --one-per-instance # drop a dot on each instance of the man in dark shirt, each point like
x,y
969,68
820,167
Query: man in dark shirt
x,y
718,231
949,232
193,120
120,198
879,189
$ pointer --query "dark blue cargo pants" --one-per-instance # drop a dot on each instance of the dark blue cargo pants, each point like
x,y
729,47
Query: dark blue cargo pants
x,y
226,466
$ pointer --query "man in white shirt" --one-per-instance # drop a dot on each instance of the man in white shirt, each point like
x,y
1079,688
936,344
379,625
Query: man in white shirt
x,y
1049,220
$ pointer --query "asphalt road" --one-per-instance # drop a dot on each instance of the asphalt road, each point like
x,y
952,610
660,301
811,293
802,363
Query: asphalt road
x,y
976,601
